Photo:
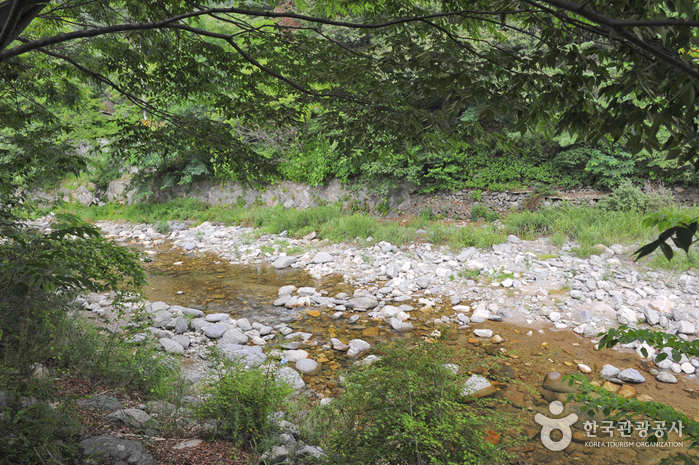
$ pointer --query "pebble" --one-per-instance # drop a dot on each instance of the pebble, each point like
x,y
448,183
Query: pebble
x,y
487,333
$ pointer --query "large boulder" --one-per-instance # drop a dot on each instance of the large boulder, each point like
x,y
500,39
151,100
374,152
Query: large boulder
x,y
123,450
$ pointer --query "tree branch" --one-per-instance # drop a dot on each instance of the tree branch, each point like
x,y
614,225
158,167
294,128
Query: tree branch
x,y
47,41
619,27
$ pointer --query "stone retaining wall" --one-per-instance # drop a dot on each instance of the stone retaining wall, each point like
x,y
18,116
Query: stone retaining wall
x,y
404,198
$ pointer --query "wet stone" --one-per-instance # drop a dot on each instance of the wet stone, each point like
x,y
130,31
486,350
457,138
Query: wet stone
x,y
554,382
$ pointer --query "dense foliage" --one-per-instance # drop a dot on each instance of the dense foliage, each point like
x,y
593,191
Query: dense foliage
x,y
442,93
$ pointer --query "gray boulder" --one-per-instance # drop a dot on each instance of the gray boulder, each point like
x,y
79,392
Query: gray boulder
x,y
182,340
181,325
609,372
217,317
251,356
357,348
401,326
215,331
308,366
123,450
134,418
322,257
100,402
171,347
290,376
234,336
368,301
283,262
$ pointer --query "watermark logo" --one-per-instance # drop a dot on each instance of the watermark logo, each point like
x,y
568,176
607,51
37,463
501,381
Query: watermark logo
x,y
551,424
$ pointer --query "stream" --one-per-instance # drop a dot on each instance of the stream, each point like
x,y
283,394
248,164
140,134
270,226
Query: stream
x,y
203,281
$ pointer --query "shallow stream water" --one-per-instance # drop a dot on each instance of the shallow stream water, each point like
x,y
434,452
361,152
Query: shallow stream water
x,y
203,281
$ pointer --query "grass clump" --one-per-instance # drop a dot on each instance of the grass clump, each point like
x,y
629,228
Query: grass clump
x,y
242,400
408,407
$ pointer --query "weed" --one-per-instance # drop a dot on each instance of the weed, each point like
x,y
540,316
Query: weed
x,y
242,400
469,274
383,208
407,407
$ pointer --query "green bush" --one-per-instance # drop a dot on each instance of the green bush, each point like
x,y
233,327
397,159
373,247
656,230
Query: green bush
x,y
628,197
407,408
478,211
241,400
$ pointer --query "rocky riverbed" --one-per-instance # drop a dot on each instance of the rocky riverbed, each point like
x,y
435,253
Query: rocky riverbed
x,y
332,303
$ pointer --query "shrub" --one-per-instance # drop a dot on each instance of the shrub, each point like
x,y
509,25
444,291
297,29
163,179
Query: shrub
x,y
629,197
407,408
478,211
242,400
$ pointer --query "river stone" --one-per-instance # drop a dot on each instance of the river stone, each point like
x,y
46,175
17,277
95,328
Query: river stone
x,y
401,326
182,340
554,382
171,347
626,316
483,333
306,291
251,356
159,306
322,257
161,318
217,317
293,356
243,324
688,368
389,311
477,386
463,319
264,330
609,372
308,366
135,418
631,375
100,402
368,301
281,301
652,316
196,313
311,451
665,377
215,331
234,336
686,327
286,290
180,325
423,282
123,450
190,246
338,344
283,262
357,348
199,324
585,316
290,376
